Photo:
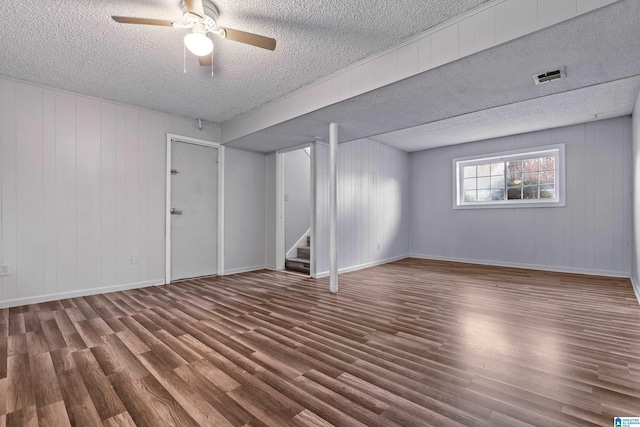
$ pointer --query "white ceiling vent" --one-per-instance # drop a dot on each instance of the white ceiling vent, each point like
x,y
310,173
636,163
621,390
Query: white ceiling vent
x,y
549,76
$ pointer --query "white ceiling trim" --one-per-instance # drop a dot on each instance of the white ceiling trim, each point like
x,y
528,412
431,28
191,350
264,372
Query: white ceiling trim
x,y
487,26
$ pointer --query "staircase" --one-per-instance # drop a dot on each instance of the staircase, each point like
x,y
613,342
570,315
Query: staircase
x,y
301,262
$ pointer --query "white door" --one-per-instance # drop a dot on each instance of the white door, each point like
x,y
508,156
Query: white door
x,y
194,210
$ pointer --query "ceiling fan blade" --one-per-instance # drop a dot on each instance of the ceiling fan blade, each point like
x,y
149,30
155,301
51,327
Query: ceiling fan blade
x,y
206,61
195,7
249,38
142,21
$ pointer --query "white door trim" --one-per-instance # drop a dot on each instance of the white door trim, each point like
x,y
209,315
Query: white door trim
x,y
280,249
179,138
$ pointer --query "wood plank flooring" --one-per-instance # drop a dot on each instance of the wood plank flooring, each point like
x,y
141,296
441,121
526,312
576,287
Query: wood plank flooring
x,y
411,343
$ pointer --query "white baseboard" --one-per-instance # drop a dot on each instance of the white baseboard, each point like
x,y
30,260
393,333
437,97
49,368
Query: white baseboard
x,y
360,266
245,269
80,293
636,287
559,269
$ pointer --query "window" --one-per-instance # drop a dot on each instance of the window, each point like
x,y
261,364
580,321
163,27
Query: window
x,y
523,178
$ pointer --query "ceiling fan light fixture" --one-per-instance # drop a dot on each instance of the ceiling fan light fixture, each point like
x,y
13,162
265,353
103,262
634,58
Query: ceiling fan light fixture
x,y
198,42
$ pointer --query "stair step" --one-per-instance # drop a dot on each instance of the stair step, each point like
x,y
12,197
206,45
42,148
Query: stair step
x,y
304,252
305,262
298,264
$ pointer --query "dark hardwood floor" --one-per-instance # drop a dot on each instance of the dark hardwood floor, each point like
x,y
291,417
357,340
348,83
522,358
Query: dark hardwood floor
x,y
408,343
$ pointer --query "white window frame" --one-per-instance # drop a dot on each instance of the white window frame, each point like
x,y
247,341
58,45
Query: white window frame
x,y
557,150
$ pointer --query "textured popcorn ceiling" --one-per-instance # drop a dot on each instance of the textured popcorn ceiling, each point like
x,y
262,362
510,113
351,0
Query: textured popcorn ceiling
x,y
491,93
74,45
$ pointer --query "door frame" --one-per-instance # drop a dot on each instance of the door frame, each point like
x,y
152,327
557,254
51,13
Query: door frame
x,y
185,139
280,209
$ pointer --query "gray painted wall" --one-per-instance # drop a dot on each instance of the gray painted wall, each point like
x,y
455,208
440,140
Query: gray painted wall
x,y
297,188
82,188
270,216
635,156
373,205
592,234
244,210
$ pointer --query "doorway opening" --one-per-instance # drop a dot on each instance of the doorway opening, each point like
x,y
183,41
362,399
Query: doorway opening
x,y
194,208
295,207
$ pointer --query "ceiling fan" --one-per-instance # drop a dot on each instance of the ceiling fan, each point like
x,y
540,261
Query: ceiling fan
x,y
202,22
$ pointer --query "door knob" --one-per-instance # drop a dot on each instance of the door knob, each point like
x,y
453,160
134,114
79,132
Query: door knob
x,y
175,211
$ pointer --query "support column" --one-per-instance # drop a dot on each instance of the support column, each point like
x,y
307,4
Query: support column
x,y
333,208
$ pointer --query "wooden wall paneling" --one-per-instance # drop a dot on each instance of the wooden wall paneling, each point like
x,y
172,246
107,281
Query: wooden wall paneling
x,y
588,182
444,45
572,140
586,5
626,158
342,214
9,187
322,208
89,198
132,191
553,11
605,199
81,189
577,190
29,191
368,195
49,172
249,212
121,195
143,196
372,179
270,217
66,195
108,201
408,60
156,176
515,18
588,234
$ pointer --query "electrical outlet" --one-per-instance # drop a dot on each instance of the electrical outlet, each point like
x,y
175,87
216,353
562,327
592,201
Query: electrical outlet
x,y
4,270
135,259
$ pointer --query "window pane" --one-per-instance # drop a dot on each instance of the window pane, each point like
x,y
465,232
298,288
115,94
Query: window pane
x,y
484,170
547,163
515,166
514,193
469,171
497,182
470,184
530,192
547,192
547,177
484,195
510,178
484,183
530,178
514,179
530,165
470,196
